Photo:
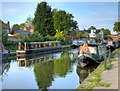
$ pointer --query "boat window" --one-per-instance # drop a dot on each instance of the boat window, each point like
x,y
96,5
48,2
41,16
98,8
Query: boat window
x,y
93,49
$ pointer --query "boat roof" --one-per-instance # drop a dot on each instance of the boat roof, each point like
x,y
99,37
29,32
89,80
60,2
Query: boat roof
x,y
46,42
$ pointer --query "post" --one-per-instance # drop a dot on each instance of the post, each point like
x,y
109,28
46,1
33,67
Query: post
x,y
109,57
19,46
105,60
25,46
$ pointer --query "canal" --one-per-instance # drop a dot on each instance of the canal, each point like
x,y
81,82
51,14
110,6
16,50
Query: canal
x,y
51,71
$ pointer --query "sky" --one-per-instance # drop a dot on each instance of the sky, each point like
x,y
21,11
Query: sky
x,y
98,14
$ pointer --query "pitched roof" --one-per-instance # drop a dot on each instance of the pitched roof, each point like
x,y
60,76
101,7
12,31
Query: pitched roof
x,y
22,32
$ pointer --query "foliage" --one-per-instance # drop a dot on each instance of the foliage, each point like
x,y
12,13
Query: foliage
x,y
109,66
97,38
94,78
104,84
116,27
63,21
43,23
59,34
86,35
36,37
92,28
22,26
4,37
15,27
106,31
11,46
79,34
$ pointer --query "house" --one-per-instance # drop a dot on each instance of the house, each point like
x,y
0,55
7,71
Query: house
x,y
93,33
6,26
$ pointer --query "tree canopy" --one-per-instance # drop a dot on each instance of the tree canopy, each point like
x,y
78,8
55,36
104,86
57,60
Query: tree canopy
x,y
64,21
106,31
92,28
15,27
116,27
43,22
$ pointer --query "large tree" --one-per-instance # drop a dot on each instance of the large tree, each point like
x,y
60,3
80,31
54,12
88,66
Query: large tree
x,y
64,21
117,27
43,22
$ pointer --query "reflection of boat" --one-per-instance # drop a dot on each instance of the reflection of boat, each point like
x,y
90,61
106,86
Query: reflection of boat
x,y
3,52
84,72
26,62
38,47
91,54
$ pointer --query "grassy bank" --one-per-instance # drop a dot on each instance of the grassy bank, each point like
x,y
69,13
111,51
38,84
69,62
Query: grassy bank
x,y
94,79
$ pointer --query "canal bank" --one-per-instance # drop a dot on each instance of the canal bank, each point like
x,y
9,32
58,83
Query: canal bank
x,y
104,79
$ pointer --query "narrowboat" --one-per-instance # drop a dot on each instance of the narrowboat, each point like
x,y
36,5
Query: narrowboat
x,y
90,54
76,43
38,48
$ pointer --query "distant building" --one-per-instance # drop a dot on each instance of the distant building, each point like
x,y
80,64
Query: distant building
x,y
6,26
21,32
93,33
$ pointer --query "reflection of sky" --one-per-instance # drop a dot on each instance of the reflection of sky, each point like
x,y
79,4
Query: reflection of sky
x,y
19,78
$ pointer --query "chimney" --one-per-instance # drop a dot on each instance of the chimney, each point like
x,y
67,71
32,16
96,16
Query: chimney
x,y
8,25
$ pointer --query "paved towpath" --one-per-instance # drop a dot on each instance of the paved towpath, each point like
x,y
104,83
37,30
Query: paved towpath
x,y
111,76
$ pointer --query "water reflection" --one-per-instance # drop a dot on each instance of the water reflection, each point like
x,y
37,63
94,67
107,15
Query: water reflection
x,y
5,67
84,72
54,71
44,74
62,65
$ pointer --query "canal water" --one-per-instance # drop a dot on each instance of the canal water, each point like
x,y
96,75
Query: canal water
x,y
52,71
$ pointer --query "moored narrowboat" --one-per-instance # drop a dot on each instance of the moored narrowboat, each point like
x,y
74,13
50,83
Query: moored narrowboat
x,y
38,48
90,54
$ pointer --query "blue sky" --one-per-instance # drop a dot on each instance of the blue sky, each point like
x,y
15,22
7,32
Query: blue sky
x,y
99,14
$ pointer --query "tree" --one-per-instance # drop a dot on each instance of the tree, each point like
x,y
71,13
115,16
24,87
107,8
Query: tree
x,y
86,35
59,34
22,26
106,31
79,34
116,27
92,28
43,22
63,21
15,27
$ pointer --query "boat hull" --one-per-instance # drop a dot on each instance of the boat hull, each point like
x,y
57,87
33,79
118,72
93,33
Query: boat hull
x,y
87,61
38,51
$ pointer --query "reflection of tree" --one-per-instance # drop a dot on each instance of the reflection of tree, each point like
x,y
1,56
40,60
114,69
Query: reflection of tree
x,y
44,74
62,65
